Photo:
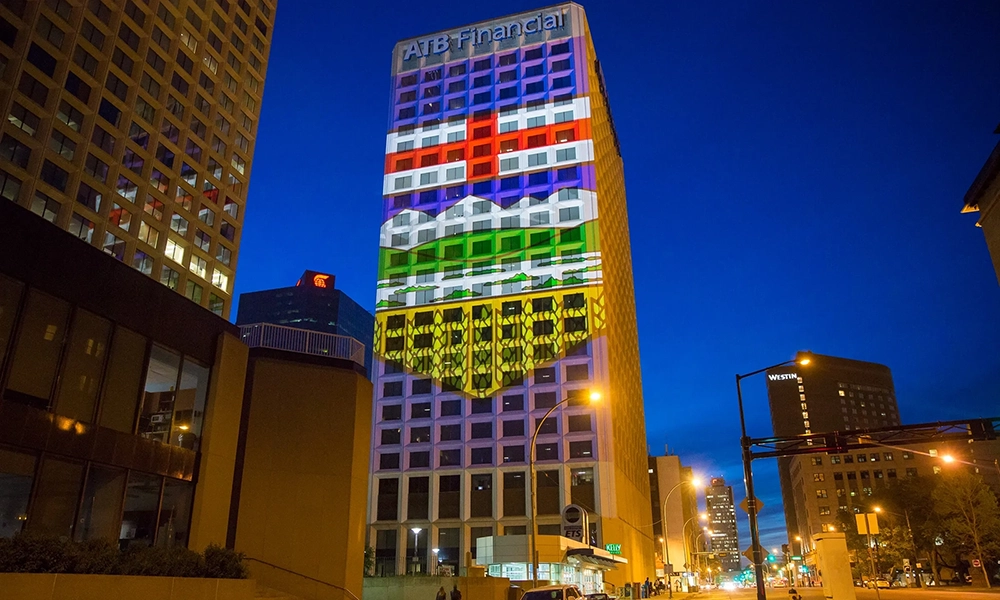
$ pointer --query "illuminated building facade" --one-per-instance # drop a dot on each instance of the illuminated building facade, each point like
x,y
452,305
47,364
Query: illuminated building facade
x,y
505,286
830,394
131,125
313,303
722,523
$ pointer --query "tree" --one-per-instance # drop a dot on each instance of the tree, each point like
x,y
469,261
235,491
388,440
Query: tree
x,y
369,561
970,514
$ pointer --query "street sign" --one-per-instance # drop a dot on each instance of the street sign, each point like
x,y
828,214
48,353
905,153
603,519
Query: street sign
x,y
871,528
796,557
749,553
745,505
976,563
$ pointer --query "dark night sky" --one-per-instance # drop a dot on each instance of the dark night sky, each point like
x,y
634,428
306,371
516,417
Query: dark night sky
x,y
795,172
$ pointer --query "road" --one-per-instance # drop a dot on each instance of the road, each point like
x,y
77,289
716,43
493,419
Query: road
x,y
957,593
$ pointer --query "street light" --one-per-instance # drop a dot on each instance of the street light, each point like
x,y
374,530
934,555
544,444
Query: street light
x,y
594,396
695,483
416,537
801,359
913,543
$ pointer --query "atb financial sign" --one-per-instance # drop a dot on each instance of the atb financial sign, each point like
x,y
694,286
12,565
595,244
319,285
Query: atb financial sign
x,y
478,35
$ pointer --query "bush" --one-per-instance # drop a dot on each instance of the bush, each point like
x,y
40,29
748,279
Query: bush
x,y
33,553
223,563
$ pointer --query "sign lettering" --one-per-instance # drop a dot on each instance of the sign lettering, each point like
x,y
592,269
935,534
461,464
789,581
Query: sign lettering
x,y
783,376
477,36
613,548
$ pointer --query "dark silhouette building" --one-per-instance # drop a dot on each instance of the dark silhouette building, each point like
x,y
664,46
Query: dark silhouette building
x,y
829,394
313,303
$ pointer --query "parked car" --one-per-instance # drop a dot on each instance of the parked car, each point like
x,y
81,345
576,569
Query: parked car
x,y
598,597
880,583
554,592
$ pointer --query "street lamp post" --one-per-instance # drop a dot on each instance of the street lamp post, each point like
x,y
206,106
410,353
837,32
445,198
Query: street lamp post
x,y
748,476
594,397
913,542
694,482
416,542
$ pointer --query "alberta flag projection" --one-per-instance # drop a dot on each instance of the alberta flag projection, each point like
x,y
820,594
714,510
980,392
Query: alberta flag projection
x,y
490,210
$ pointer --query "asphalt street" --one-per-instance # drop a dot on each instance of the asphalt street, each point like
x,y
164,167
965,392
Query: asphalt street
x,y
957,593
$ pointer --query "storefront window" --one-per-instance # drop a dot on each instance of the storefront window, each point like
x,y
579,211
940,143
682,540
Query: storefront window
x,y
142,498
449,549
84,363
54,505
160,394
385,552
16,473
175,513
121,390
189,410
100,515
10,296
39,345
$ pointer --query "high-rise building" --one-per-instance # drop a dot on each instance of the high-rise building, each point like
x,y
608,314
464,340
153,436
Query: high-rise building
x,y
983,197
721,511
674,503
131,125
313,303
505,287
829,394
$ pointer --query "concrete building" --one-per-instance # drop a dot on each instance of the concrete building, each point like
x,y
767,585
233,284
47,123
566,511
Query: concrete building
x,y
670,526
829,394
501,295
983,197
313,303
116,422
299,509
725,539
129,414
131,125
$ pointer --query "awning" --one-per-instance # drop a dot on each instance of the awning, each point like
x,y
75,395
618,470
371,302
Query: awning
x,y
595,557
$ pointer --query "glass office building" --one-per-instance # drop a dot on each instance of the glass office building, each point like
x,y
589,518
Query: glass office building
x,y
505,287
131,125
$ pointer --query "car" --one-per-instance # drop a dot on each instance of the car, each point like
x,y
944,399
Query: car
x,y
779,584
554,592
882,584
601,596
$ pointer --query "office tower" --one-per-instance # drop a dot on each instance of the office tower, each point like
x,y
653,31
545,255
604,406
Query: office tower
x,y
675,511
501,293
829,394
724,536
313,303
131,125
983,197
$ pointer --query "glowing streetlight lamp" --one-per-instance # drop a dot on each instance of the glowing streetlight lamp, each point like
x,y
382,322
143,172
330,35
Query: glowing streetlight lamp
x,y
595,397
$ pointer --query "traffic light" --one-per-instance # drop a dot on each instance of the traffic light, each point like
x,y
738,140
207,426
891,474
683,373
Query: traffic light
x,y
770,558
784,548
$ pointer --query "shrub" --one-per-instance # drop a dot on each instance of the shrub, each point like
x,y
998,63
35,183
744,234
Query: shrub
x,y
223,563
34,553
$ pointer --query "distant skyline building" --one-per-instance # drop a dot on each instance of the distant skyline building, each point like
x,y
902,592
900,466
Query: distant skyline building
x,y
722,523
983,197
132,125
671,515
313,303
829,394
504,288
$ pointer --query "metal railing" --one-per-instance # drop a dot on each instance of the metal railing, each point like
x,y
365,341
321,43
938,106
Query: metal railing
x,y
306,577
292,339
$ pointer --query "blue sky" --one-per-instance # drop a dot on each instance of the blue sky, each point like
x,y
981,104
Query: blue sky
x,y
794,172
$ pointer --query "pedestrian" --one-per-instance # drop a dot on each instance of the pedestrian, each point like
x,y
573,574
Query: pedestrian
x,y
455,594
442,595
